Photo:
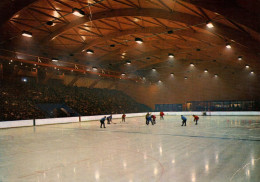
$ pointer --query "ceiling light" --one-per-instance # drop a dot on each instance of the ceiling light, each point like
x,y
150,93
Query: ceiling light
x,y
185,78
239,58
128,62
172,74
55,60
247,66
205,70
170,32
78,12
123,74
11,61
153,69
24,79
139,40
89,51
50,23
191,64
171,55
252,72
123,53
27,34
210,25
94,68
216,75
228,45
159,81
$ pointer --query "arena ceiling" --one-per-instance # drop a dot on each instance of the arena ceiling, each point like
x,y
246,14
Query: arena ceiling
x,y
109,29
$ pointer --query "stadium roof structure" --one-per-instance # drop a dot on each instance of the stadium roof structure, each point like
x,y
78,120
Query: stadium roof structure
x,y
131,37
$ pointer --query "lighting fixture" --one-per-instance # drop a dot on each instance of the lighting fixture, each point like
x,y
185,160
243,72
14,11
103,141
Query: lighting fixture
x,y
50,23
27,34
170,32
172,74
55,60
205,70
94,68
239,58
210,25
139,40
11,61
247,66
159,81
24,79
123,74
153,69
128,62
78,12
171,55
191,64
228,45
185,78
89,51
216,75
123,53
252,72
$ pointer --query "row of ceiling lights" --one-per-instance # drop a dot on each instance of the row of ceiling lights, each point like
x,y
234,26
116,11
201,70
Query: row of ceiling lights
x,y
123,74
129,62
80,13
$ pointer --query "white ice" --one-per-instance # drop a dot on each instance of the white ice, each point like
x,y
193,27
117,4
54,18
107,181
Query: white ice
x,y
218,149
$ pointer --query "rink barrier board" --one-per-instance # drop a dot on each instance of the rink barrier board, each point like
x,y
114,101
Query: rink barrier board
x,y
37,122
16,123
56,120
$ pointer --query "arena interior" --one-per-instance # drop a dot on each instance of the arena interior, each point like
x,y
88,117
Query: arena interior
x,y
154,66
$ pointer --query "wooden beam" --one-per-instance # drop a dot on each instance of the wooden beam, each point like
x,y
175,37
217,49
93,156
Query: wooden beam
x,y
164,5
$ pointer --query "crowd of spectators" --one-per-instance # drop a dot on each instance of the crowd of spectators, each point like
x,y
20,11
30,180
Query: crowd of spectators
x,y
19,100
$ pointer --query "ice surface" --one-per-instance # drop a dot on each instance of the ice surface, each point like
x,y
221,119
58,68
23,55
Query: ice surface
x,y
219,148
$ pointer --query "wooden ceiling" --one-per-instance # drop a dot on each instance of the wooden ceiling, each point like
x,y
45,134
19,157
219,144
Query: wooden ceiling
x,y
110,27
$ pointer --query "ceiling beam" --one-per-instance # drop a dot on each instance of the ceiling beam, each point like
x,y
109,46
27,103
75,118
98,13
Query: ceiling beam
x,y
188,19
232,10
151,30
145,12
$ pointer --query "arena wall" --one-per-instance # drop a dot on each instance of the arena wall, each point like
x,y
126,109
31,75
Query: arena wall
x,y
169,91
37,122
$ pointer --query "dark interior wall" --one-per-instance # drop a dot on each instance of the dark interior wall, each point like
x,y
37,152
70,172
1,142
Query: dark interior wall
x,y
179,91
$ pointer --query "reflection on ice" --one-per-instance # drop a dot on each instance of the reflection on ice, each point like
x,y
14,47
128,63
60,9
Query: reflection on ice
x,y
215,150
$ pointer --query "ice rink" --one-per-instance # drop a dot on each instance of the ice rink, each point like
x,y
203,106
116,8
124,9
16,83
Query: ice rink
x,y
219,149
